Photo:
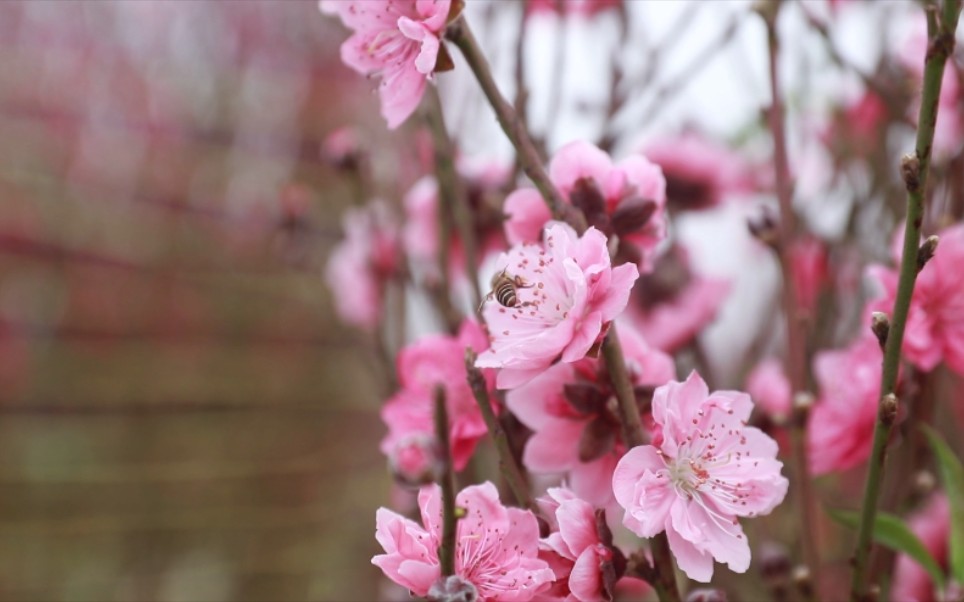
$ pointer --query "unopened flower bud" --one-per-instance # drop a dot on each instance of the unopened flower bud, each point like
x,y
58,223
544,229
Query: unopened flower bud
x,y
452,589
926,251
888,409
415,460
803,580
924,482
706,595
880,325
910,172
774,561
342,149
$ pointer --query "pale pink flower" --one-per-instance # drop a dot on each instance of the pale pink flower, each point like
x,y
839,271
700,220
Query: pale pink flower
x,y
430,361
673,303
768,386
496,548
699,173
396,39
706,469
931,524
579,549
627,199
360,265
841,426
571,411
567,294
935,324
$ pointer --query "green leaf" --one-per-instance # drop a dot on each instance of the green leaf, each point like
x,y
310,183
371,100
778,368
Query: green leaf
x,y
890,531
952,475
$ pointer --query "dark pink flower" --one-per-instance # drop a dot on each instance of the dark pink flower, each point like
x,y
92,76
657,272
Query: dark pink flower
x,y
360,265
496,548
398,40
626,199
699,173
931,524
430,361
841,426
579,549
705,469
768,386
672,304
935,324
566,294
571,411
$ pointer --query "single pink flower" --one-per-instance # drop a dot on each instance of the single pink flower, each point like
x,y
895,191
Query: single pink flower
x,y
360,265
673,303
626,199
579,549
767,384
699,173
566,294
841,426
396,39
496,548
572,413
931,524
808,268
705,469
430,361
935,324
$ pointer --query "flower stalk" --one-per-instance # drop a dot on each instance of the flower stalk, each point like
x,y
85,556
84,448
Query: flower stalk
x,y
941,27
796,358
446,549
507,464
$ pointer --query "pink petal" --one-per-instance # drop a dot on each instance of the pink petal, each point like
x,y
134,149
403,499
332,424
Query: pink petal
x,y
585,580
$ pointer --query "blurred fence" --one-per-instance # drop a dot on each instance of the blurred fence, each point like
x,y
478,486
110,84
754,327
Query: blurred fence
x,y
179,412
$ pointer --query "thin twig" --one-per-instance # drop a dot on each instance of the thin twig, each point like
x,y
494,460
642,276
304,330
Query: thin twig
x,y
796,359
451,191
507,465
914,168
446,548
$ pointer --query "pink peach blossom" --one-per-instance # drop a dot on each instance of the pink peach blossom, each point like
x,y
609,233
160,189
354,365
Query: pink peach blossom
x,y
767,384
808,268
930,524
935,324
579,549
626,199
705,469
360,265
496,548
673,303
567,295
699,173
396,39
841,426
570,409
422,365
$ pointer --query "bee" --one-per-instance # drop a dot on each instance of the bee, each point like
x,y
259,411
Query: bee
x,y
504,289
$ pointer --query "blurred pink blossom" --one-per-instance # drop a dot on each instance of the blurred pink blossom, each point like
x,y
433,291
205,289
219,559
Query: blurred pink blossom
x,y
841,426
359,265
567,293
935,324
496,548
430,361
583,8
570,408
705,469
579,554
699,173
626,198
398,40
931,524
808,268
672,304
767,384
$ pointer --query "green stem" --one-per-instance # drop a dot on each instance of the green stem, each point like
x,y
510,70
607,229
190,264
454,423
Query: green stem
x,y
507,464
914,169
446,548
796,359
451,190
